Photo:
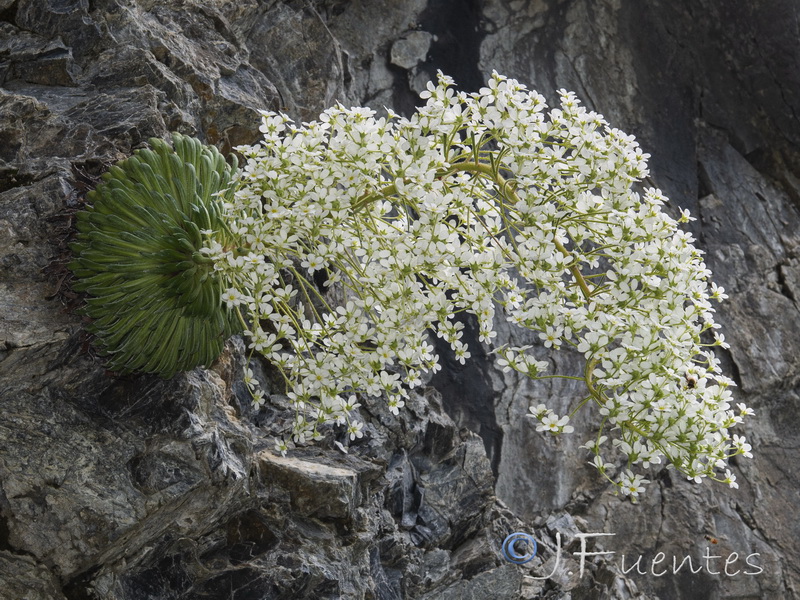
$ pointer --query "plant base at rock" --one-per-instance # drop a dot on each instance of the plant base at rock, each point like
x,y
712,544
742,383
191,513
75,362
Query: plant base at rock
x,y
153,297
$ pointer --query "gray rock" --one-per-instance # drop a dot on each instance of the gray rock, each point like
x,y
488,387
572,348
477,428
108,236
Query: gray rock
x,y
411,49
134,487
319,490
24,578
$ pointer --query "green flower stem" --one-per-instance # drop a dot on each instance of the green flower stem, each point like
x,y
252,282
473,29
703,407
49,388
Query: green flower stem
x,y
505,189
593,391
504,185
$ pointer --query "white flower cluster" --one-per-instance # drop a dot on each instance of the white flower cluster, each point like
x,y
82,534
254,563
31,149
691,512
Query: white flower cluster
x,y
358,236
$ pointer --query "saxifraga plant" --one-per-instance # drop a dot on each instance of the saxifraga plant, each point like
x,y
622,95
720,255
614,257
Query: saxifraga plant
x,y
154,298
488,203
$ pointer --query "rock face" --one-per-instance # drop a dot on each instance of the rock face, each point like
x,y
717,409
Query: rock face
x,y
711,93
133,488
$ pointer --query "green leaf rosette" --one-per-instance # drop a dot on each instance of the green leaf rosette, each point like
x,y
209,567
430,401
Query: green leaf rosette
x,y
154,297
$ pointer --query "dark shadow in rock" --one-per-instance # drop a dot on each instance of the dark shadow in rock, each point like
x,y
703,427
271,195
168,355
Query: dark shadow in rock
x,y
248,536
467,393
457,35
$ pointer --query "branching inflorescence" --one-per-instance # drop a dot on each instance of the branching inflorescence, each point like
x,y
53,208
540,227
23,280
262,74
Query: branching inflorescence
x,y
351,238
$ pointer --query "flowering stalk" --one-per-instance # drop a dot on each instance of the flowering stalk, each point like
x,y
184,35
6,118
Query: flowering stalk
x,y
361,235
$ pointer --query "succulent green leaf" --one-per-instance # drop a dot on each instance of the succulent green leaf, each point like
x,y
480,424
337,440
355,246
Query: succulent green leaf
x,y
153,297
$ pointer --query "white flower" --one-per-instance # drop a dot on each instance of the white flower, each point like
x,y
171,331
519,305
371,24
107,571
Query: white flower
x,y
539,411
313,263
462,354
632,485
232,297
554,424
258,398
602,466
395,404
730,479
551,337
354,429
281,447
351,404
741,446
